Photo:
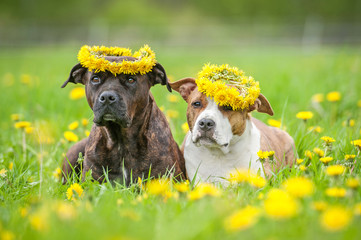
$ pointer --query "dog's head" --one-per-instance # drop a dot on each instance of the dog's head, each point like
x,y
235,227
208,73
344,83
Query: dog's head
x,y
117,98
212,125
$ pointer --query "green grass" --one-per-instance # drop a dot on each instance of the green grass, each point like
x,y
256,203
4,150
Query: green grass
x,y
288,78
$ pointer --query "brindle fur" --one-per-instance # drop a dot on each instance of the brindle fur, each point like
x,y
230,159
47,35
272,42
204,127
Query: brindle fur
x,y
139,141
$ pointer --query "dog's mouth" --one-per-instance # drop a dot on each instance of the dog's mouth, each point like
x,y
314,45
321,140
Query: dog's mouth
x,y
109,118
103,120
208,141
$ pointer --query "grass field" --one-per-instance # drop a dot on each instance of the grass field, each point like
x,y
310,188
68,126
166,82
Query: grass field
x,y
35,205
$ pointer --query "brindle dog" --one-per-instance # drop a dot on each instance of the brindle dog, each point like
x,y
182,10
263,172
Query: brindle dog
x,y
130,136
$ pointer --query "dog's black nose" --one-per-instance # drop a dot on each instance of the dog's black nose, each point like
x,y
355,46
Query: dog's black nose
x,y
108,97
206,124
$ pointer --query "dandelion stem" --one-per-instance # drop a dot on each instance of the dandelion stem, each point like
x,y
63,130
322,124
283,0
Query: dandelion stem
x,y
24,146
354,162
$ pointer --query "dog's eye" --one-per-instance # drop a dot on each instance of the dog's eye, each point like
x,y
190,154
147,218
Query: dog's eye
x,y
95,79
131,80
227,108
196,104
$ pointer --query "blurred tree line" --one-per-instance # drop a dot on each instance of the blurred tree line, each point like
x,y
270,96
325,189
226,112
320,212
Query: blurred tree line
x,y
79,12
180,21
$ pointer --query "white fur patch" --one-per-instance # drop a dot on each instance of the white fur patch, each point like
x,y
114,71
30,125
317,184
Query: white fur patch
x,y
211,164
223,131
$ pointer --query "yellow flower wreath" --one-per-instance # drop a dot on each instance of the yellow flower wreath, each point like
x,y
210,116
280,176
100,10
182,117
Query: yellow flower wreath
x,y
93,59
228,86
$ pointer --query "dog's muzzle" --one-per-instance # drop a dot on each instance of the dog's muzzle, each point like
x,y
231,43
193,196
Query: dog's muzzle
x,y
109,107
204,134
204,131
206,125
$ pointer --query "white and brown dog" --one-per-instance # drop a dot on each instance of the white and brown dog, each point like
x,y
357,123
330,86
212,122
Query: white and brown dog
x,y
221,140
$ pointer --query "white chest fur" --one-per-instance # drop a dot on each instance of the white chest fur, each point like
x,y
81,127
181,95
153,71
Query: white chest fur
x,y
213,165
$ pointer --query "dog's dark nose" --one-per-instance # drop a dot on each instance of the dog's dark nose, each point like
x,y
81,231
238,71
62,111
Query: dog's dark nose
x,y
108,97
206,124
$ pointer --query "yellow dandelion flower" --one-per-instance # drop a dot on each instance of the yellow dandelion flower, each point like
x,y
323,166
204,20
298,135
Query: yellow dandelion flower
x,y
308,154
319,205
221,97
333,96
242,219
257,181
300,160
93,59
57,173
22,124
319,152
6,235
65,211
303,168
350,156
29,130
239,176
87,133
316,129
173,98
15,117
304,115
74,125
280,205
335,218
70,136
182,186
204,189
25,79
11,165
299,186
318,97
328,139
335,170
353,183
3,172
84,122
39,221
274,123
23,211
77,93
357,209
185,127
172,114
335,192
356,143
326,159
227,86
74,192
265,154
158,187
359,103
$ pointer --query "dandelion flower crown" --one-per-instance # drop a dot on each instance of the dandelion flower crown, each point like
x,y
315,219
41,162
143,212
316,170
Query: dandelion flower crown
x,y
93,59
228,86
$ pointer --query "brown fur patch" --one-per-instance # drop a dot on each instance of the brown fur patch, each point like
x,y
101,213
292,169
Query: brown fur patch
x,y
279,141
192,112
237,119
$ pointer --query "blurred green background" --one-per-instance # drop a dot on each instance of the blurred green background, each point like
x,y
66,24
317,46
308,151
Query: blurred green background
x,y
176,23
293,48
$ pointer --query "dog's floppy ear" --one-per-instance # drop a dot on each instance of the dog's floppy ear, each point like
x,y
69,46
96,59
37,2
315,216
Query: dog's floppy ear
x,y
184,86
76,75
158,75
262,105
